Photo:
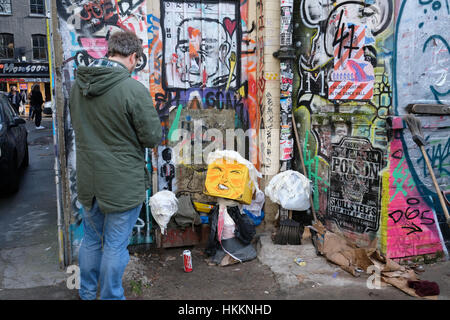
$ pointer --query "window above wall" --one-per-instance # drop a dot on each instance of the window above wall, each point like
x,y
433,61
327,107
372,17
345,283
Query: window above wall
x,y
37,7
39,45
6,46
5,7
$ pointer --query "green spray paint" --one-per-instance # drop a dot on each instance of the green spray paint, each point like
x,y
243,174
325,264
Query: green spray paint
x,y
400,176
312,168
175,122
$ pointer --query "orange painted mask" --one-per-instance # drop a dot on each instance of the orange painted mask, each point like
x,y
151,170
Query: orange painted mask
x,y
230,180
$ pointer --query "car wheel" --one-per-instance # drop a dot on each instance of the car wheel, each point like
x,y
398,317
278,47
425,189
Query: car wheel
x,y
26,158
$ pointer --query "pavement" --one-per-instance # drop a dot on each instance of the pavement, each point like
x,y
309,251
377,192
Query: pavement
x,y
28,230
29,268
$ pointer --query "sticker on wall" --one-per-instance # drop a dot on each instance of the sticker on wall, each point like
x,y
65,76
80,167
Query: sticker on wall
x,y
355,184
352,77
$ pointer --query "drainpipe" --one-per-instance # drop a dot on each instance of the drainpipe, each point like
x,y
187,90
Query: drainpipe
x,y
55,139
148,236
286,55
58,196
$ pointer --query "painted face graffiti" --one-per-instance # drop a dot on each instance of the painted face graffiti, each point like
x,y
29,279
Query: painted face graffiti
x,y
201,47
201,56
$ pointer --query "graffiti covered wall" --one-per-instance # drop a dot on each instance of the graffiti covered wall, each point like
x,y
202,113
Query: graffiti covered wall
x,y
201,70
354,70
202,62
209,68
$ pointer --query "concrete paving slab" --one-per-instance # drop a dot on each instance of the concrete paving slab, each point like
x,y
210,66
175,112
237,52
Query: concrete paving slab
x,y
29,267
317,270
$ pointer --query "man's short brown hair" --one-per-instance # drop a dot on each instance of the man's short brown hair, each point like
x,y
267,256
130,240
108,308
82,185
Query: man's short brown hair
x,y
125,43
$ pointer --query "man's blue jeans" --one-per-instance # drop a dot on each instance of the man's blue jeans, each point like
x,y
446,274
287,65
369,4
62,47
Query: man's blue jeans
x,y
103,253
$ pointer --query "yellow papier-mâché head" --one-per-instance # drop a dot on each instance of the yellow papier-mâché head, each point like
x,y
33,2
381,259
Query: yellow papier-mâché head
x,y
230,180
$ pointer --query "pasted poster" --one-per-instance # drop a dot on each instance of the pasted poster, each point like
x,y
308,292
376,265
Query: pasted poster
x,y
355,183
166,169
200,44
352,77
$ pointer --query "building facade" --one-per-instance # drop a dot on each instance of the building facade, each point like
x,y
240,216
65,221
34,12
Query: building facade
x,y
23,46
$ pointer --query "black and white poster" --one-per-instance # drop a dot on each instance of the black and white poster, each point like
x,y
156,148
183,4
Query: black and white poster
x,y
355,184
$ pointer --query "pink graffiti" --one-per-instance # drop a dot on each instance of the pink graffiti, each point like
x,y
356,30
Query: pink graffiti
x,y
411,223
96,47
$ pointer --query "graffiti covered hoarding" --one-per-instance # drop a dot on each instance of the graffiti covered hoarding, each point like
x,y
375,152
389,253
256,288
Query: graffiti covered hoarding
x,y
342,91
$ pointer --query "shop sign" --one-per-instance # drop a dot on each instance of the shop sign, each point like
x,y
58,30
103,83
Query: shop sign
x,y
24,80
24,69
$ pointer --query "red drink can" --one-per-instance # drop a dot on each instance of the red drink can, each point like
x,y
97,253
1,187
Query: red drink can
x,y
187,261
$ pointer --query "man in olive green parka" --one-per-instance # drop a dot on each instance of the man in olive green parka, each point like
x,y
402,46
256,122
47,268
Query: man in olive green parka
x,y
114,121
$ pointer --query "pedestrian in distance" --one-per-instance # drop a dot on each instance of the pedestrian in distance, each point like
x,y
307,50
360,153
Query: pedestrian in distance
x,y
30,109
15,98
23,94
114,121
36,102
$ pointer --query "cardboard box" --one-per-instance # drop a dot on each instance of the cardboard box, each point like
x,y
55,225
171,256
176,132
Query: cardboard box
x,y
229,180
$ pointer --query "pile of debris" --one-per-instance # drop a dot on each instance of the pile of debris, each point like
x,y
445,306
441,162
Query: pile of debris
x,y
136,271
354,260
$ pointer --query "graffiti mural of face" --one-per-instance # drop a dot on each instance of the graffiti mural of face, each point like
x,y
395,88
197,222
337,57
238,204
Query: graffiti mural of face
x,y
202,53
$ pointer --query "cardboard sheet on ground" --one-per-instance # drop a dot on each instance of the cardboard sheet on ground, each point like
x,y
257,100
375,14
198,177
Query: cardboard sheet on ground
x,y
349,257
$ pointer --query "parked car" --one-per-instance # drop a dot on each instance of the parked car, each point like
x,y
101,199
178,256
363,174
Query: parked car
x,y
13,146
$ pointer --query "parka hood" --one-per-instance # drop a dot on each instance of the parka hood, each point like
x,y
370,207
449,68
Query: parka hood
x,y
95,81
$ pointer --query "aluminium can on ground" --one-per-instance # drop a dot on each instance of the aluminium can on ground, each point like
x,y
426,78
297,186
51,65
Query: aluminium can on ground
x,y
187,258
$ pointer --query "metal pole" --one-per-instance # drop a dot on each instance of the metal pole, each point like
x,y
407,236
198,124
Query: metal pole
x,y
58,97
55,139
148,236
286,54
